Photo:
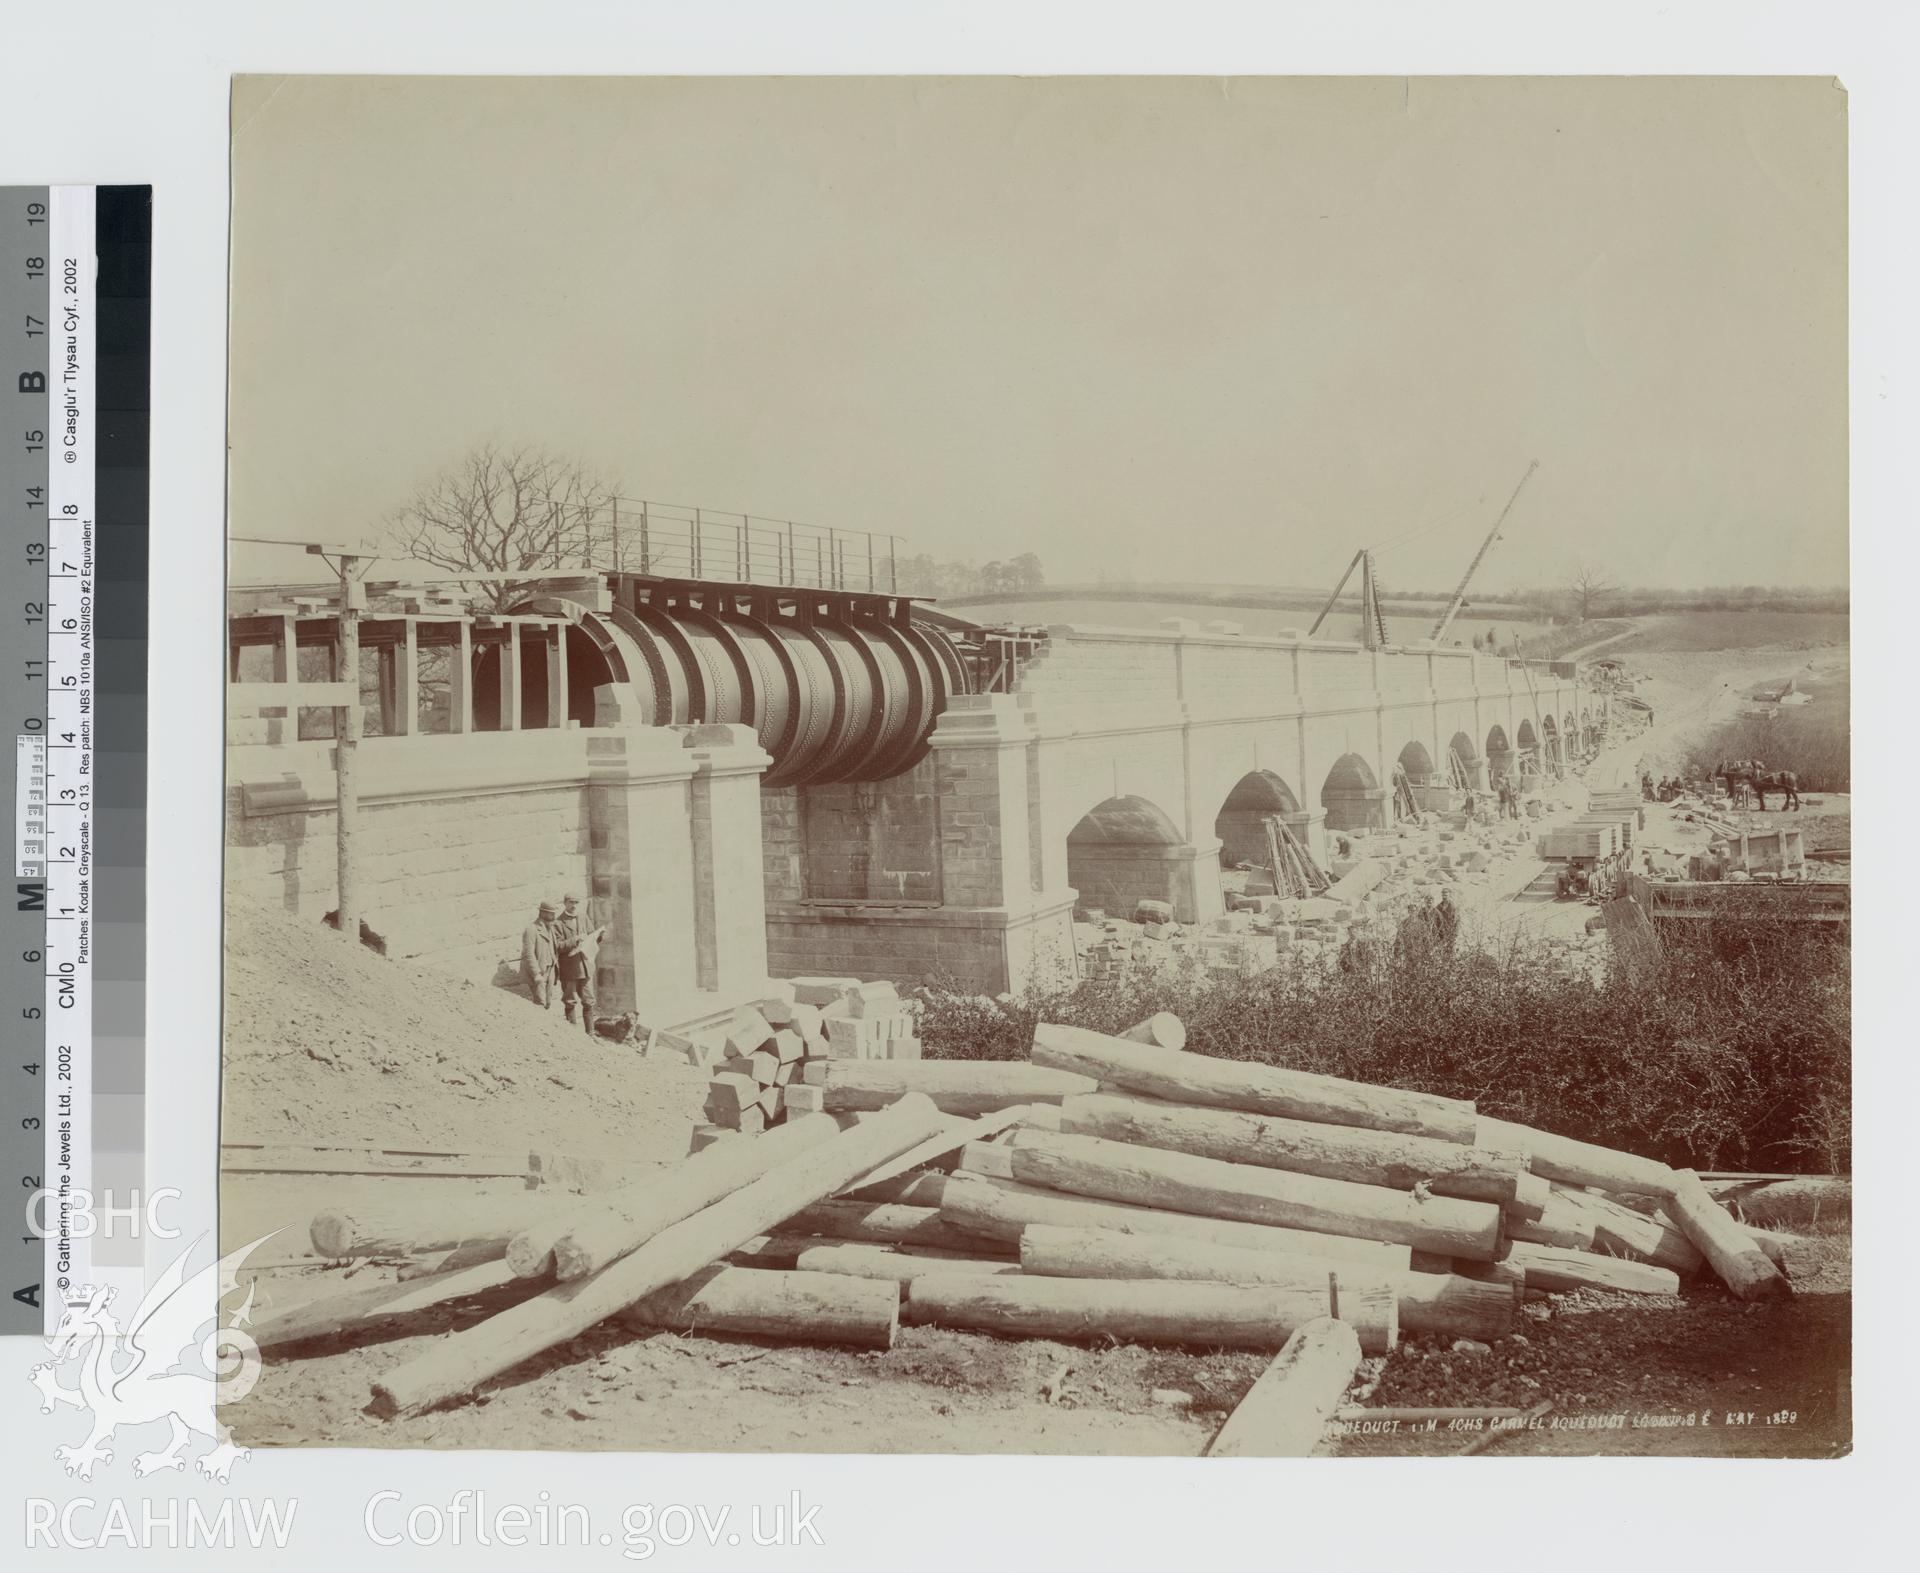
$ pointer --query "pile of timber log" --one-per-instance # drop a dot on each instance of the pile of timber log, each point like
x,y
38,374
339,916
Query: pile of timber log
x,y
1109,1188
761,1058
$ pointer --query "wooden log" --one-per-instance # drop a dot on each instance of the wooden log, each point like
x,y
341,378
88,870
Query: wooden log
x,y
1571,1162
934,1149
1729,1248
1504,1271
1335,1152
1638,1236
378,1306
991,1160
1285,1413
900,1266
805,1307
880,1223
1162,1029
1564,1223
1179,1182
971,1087
1198,1315
1558,1271
608,1229
288,1158
999,1210
430,1223
1257,1089
920,1188
461,1362
1530,1194
1427,1302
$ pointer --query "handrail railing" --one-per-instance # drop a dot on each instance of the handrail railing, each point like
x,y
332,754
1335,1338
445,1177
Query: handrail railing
x,y
680,541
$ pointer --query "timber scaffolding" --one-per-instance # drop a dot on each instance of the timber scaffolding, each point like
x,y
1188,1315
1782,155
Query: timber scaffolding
x,y
1108,1189
439,640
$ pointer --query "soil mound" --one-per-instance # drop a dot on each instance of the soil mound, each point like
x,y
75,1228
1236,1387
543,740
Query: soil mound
x,y
332,1045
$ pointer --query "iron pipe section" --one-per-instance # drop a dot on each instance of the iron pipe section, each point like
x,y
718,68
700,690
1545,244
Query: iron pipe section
x,y
831,699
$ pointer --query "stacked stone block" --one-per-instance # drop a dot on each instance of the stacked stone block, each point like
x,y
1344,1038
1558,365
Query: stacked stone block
x,y
759,1058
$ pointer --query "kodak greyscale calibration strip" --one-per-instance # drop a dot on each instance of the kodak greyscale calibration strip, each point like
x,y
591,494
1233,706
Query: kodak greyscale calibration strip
x,y
75,265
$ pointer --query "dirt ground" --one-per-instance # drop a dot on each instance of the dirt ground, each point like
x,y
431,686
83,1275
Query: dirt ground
x,y
1647,1360
332,1045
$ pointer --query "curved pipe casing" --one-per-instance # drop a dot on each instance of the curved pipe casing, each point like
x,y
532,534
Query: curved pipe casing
x,y
833,699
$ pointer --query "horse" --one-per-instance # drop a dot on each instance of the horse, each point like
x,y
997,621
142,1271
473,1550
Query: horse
x,y
1744,781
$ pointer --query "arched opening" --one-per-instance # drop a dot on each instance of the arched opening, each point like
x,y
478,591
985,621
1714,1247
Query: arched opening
x,y
1528,762
1463,761
1126,851
1352,796
1551,748
1499,754
1417,785
1241,823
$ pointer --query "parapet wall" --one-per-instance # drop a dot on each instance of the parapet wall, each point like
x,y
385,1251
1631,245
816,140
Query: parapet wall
x,y
461,837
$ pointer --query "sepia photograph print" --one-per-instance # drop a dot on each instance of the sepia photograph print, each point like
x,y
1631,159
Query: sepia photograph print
x,y
1095,766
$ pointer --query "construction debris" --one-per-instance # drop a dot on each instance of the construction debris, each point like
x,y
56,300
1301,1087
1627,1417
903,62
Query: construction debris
x,y
1193,1202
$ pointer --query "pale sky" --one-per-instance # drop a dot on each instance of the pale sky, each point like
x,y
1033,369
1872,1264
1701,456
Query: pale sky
x,y
1187,329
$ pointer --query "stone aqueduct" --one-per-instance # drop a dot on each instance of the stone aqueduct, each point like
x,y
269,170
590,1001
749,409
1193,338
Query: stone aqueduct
x,y
555,751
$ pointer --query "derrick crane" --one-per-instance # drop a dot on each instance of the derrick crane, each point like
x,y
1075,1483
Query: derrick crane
x,y
1460,591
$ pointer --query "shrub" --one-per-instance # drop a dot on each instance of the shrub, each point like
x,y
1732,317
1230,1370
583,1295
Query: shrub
x,y
1733,1052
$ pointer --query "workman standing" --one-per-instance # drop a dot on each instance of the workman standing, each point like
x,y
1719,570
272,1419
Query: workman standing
x,y
538,955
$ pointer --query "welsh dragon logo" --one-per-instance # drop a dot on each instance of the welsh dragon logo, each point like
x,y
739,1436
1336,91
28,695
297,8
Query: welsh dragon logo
x,y
137,1375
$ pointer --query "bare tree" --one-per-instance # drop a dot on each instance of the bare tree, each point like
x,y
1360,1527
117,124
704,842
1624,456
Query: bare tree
x,y
505,511
1587,588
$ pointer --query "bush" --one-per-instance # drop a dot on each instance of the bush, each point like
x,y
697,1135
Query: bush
x,y
1734,1052
1816,748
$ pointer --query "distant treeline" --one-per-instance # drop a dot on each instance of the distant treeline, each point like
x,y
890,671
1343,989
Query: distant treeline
x,y
1712,598
1023,579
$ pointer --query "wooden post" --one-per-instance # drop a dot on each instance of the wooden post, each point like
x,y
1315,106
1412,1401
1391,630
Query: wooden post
x,y
969,1087
510,680
1148,1311
600,1231
1163,1029
1285,1413
406,681
1179,1182
346,746
557,678
814,1307
1335,1152
1730,1250
1255,1088
461,1361
460,680
1428,1302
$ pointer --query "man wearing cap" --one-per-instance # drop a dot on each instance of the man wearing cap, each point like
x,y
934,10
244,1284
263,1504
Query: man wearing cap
x,y
538,953
575,950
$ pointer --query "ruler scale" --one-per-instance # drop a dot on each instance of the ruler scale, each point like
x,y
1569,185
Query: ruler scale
x,y
73,653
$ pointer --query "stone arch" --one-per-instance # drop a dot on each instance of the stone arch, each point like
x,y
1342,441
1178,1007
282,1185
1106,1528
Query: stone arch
x,y
1241,822
1352,797
1499,753
1126,850
1466,768
1551,735
1417,762
1527,743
